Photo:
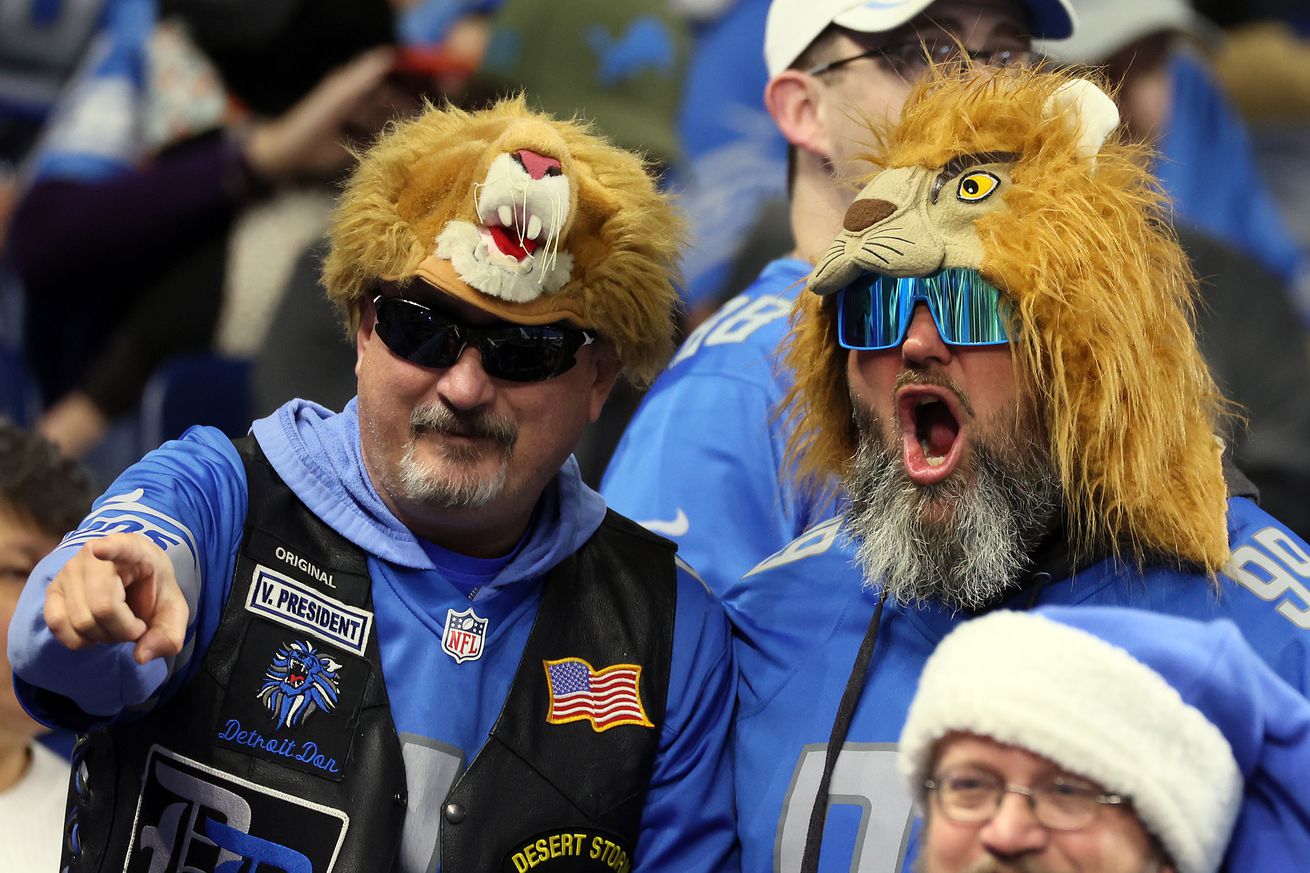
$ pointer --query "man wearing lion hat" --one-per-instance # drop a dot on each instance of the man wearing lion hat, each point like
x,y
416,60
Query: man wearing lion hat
x,y
995,359
406,635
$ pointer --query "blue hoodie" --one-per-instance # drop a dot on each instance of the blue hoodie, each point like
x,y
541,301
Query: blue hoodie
x,y
189,496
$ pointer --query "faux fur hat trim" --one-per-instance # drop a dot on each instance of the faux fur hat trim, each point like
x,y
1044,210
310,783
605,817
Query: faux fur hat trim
x,y
1071,697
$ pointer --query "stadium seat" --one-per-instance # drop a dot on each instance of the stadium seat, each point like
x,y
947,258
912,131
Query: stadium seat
x,y
196,389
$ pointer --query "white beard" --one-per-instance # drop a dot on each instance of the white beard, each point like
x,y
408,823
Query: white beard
x,y
969,561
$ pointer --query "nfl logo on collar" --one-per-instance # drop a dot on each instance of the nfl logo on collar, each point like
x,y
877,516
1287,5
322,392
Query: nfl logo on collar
x,y
464,636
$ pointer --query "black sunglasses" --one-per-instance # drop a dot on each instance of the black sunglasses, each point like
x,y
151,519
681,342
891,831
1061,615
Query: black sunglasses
x,y
517,352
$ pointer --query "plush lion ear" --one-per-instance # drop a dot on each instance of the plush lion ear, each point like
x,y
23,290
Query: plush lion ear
x,y
1082,103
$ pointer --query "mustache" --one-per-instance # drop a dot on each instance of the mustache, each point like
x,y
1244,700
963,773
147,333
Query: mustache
x,y
479,424
1020,865
933,377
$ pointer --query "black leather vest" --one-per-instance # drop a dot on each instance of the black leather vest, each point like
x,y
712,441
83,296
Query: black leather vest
x,y
280,753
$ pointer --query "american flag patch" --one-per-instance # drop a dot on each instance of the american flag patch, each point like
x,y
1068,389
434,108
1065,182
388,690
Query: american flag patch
x,y
607,698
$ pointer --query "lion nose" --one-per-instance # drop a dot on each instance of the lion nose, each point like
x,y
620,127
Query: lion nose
x,y
864,214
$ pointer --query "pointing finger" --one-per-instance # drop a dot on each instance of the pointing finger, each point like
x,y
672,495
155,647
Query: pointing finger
x,y
166,630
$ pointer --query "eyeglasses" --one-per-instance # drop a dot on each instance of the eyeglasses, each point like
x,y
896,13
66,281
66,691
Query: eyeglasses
x,y
910,59
874,311
1061,803
517,352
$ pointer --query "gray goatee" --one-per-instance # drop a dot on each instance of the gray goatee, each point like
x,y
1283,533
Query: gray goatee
x,y
451,489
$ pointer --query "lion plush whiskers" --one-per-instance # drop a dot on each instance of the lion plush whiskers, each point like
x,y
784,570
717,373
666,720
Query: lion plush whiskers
x,y
552,242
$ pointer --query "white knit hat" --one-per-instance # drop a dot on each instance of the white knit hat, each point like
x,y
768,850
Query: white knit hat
x,y
1037,682
793,24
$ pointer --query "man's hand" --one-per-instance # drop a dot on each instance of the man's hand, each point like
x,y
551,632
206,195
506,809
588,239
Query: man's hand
x,y
117,589
309,140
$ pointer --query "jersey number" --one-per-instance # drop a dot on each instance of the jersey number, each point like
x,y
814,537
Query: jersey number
x,y
430,770
866,778
1282,567
737,319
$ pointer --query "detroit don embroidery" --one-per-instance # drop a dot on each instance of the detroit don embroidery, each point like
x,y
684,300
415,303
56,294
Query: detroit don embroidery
x,y
607,698
292,702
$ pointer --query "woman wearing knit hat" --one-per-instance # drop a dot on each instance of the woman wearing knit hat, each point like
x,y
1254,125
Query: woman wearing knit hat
x,y
1133,742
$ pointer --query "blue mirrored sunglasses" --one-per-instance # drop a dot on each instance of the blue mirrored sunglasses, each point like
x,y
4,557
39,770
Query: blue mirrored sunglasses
x,y
874,311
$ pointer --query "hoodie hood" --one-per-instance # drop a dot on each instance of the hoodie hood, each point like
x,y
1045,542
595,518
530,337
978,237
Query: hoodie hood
x,y
317,453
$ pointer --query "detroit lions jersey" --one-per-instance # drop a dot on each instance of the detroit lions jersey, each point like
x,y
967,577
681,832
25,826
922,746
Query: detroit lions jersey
x,y
702,460
799,619
446,686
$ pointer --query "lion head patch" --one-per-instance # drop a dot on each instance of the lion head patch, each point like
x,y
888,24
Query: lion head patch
x,y
299,682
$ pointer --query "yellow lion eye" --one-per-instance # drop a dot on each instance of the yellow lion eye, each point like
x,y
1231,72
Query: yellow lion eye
x,y
976,186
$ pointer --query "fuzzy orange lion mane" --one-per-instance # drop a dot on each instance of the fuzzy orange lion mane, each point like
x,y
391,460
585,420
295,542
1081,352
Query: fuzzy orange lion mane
x,y
625,236
1105,340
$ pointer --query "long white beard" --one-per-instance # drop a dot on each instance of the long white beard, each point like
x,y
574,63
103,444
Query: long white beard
x,y
999,514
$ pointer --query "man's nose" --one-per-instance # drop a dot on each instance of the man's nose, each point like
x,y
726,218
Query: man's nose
x,y
923,342
1014,830
464,384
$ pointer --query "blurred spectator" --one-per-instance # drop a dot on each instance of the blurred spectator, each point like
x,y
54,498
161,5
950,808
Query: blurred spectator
x,y
305,323
41,497
1230,13
624,67
1264,66
123,233
40,47
41,44
1168,97
735,167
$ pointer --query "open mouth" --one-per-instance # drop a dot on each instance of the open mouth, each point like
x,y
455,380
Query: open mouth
x,y
510,242
931,432
514,228
296,673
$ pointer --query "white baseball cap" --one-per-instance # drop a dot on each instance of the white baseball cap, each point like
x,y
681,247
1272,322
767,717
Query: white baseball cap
x,y
1106,26
793,24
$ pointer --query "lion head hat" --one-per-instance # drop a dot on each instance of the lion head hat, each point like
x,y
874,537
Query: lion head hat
x,y
531,219
1020,175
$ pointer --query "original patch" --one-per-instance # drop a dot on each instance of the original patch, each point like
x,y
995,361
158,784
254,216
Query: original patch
x,y
292,702
464,636
193,817
575,850
607,698
264,548
294,604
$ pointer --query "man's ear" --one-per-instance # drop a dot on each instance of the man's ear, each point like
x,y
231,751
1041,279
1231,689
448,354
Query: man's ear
x,y
792,98
367,320
608,367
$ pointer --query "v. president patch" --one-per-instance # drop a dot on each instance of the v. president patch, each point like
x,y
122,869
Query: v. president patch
x,y
295,605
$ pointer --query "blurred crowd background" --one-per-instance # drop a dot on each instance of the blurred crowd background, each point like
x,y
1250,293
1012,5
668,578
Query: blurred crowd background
x,y
167,168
